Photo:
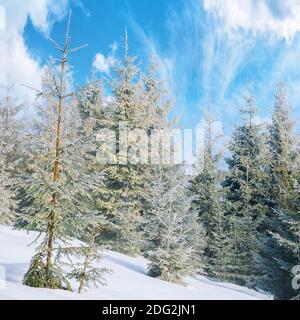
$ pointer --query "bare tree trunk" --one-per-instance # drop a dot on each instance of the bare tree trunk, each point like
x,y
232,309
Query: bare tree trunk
x,y
53,216
60,90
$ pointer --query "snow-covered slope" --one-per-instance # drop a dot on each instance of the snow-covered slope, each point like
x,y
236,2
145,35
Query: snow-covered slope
x,y
128,280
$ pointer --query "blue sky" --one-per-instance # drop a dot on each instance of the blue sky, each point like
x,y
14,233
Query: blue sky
x,y
205,48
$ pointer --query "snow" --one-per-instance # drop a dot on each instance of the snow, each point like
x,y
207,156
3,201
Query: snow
x,y
127,281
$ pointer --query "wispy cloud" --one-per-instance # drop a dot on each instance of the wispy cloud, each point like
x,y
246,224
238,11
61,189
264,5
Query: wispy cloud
x,y
199,61
215,46
278,17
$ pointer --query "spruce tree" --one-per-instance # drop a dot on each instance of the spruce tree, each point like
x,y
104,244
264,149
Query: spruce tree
x,y
126,179
84,270
59,188
118,200
277,258
246,196
138,103
196,241
167,221
6,195
10,155
205,187
157,105
286,252
282,155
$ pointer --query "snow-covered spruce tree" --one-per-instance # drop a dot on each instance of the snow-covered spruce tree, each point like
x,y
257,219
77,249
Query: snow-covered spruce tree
x,y
58,189
97,114
156,103
128,178
84,269
288,238
6,194
11,125
40,143
277,260
154,117
246,196
10,153
205,187
168,217
196,241
119,201
282,153
139,101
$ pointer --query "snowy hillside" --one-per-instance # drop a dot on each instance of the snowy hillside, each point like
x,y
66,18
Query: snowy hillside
x,y
128,280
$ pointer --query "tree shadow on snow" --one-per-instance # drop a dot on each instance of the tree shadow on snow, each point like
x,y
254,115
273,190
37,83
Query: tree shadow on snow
x,y
14,272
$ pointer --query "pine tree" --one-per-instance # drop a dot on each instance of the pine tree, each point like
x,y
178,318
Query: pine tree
x,y
208,201
246,198
168,217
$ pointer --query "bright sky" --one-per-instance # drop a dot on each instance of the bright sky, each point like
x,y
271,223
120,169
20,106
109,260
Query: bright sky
x,y
204,47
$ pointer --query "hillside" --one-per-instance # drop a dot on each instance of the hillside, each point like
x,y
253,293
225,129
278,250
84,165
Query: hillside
x,y
128,280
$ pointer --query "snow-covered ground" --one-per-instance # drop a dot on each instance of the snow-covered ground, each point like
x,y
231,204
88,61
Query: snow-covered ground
x,y
128,280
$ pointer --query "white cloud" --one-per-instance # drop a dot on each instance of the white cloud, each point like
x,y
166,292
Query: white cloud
x,y
17,65
278,17
104,64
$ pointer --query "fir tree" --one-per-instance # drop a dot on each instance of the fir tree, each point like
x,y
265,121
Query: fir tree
x,y
95,116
